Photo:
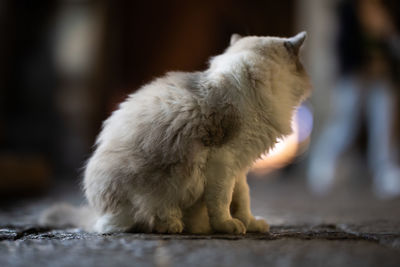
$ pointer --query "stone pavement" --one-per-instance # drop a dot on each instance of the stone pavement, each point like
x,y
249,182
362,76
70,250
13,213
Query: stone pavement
x,y
348,227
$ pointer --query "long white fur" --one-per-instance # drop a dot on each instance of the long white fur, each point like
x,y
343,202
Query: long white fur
x,y
174,156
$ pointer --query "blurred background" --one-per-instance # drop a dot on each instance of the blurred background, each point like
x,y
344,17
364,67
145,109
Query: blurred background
x,y
65,66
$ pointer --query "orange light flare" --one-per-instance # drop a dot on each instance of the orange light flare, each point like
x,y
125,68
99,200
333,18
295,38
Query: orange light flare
x,y
287,149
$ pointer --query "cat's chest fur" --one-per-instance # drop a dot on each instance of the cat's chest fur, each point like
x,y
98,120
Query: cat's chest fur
x,y
254,136
236,156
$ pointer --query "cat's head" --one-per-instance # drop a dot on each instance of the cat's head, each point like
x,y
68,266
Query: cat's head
x,y
273,62
268,69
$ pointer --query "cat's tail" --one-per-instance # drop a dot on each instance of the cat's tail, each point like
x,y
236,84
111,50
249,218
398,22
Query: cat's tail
x,y
64,215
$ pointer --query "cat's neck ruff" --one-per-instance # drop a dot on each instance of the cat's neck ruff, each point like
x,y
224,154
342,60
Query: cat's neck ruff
x,y
231,64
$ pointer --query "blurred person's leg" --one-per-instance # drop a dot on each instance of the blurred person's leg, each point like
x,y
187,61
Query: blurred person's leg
x,y
338,133
379,121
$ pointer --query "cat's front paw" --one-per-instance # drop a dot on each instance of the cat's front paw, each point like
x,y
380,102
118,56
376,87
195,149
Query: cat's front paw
x,y
258,226
230,226
170,227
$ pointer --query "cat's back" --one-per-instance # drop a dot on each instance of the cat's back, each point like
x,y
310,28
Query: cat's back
x,y
162,115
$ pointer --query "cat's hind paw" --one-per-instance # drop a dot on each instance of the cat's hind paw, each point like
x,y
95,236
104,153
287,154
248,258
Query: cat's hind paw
x,y
231,226
170,227
258,226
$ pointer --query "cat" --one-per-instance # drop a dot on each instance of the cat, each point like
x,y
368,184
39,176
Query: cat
x,y
174,157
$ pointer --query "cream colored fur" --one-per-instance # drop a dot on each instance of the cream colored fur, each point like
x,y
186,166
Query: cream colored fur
x,y
174,156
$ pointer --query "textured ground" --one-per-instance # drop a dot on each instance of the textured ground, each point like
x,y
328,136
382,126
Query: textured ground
x,y
349,227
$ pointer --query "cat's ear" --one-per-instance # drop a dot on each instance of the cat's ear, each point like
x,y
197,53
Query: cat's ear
x,y
234,38
294,43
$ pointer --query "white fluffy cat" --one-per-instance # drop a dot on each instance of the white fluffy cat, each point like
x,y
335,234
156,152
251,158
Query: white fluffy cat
x,y
174,156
